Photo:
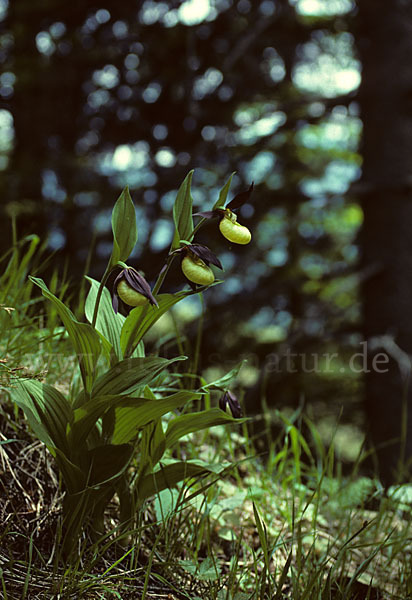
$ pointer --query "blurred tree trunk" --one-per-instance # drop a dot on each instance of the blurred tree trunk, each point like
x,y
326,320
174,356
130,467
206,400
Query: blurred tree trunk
x,y
385,46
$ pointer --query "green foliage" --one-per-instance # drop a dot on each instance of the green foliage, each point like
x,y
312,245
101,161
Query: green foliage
x,y
221,201
85,340
141,319
124,228
47,410
112,425
182,212
185,424
306,237
281,118
204,571
255,534
15,294
171,474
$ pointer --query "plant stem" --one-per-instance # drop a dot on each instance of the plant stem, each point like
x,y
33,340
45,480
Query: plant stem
x,y
162,274
198,226
99,293
169,261
132,344
14,229
196,357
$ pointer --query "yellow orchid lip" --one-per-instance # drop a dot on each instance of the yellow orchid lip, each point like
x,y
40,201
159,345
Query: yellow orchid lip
x,y
196,270
233,231
129,295
131,287
195,262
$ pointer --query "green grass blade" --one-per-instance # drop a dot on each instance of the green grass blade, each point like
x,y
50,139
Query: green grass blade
x,y
282,580
170,475
261,528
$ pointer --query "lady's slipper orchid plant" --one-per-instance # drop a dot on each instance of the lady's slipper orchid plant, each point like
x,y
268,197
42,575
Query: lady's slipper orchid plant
x,y
228,225
108,434
132,288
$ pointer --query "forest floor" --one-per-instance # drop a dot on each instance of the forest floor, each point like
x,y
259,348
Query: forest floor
x,y
286,525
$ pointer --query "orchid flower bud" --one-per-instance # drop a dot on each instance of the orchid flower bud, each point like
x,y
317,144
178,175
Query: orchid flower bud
x,y
230,404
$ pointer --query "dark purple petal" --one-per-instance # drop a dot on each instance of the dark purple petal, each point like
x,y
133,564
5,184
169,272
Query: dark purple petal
x,y
136,282
115,303
115,298
139,284
127,276
119,277
205,254
240,199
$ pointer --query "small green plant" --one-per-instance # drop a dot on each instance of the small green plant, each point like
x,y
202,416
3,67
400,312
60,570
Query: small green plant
x,y
107,435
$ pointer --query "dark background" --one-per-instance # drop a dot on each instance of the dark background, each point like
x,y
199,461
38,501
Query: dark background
x,y
310,99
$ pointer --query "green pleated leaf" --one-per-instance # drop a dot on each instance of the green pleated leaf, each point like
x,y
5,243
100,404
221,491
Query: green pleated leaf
x,y
127,376
74,478
47,411
86,417
185,424
141,319
103,464
108,324
170,475
85,339
221,201
124,228
20,396
108,462
153,443
182,212
129,420
132,373
139,351
76,510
